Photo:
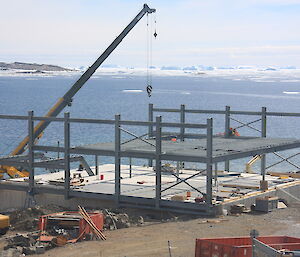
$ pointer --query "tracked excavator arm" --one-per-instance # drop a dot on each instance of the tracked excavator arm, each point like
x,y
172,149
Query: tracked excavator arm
x,y
67,98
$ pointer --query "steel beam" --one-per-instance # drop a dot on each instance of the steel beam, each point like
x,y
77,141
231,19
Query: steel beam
x,y
243,154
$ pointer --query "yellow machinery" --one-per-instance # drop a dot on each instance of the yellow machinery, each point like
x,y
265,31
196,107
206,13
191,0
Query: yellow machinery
x,y
251,162
66,100
4,224
12,172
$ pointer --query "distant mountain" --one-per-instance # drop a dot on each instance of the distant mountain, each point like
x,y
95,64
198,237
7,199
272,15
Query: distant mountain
x,y
31,66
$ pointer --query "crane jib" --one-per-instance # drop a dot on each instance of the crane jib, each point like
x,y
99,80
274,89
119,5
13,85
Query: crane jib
x,y
67,98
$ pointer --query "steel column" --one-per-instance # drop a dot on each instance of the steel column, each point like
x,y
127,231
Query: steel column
x,y
58,145
182,129
96,165
31,152
150,129
216,175
67,153
209,161
130,167
177,170
158,162
182,121
263,134
117,159
227,131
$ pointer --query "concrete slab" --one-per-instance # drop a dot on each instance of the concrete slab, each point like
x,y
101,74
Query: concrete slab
x,y
142,182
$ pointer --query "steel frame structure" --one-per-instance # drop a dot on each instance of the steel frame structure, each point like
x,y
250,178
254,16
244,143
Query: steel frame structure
x,y
155,140
228,113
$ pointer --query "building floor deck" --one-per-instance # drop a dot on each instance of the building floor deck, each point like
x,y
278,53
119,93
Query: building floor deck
x,y
142,182
194,150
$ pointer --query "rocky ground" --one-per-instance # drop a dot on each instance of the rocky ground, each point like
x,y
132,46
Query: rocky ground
x,y
143,236
31,66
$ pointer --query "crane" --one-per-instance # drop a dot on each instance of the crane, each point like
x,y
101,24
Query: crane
x,y
68,96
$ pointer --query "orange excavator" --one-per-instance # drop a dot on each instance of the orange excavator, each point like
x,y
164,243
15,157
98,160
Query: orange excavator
x,y
66,100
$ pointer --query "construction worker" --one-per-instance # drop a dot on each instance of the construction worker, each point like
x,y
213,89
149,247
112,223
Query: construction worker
x,y
234,132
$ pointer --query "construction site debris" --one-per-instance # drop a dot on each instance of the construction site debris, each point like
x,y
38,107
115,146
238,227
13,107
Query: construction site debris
x,y
214,221
27,219
55,230
12,252
238,209
281,205
24,244
284,174
178,198
70,226
91,223
239,186
263,185
266,204
117,221
199,199
19,240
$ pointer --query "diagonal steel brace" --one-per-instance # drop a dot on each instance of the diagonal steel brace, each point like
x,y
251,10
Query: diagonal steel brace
x,y
137,137
245,124
184,181
284,159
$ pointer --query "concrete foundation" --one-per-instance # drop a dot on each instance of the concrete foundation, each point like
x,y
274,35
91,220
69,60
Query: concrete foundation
x,y
11,199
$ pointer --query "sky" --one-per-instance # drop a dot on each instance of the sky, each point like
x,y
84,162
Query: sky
x,y
225,33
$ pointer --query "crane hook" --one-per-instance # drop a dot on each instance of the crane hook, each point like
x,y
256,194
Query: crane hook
x,y
149,90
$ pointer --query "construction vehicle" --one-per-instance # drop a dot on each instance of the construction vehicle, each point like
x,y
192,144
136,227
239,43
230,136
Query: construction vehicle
x,y
4,224
66,100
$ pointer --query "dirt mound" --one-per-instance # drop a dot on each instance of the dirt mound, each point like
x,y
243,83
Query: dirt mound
x,y
27,219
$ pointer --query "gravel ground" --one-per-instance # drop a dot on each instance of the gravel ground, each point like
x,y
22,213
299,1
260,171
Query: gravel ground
x,y
152,240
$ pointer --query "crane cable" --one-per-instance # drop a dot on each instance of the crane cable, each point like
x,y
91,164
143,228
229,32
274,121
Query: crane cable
x,y
149,53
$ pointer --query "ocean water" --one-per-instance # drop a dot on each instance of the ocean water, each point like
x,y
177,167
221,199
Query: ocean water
x,y
104,96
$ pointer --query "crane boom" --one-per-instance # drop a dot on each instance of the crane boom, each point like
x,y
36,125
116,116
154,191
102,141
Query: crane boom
x,y
67,98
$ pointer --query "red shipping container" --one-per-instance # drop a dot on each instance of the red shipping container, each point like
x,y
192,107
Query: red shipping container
x,y
241,246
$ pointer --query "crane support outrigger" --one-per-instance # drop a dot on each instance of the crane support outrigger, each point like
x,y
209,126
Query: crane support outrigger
x,y
67,98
